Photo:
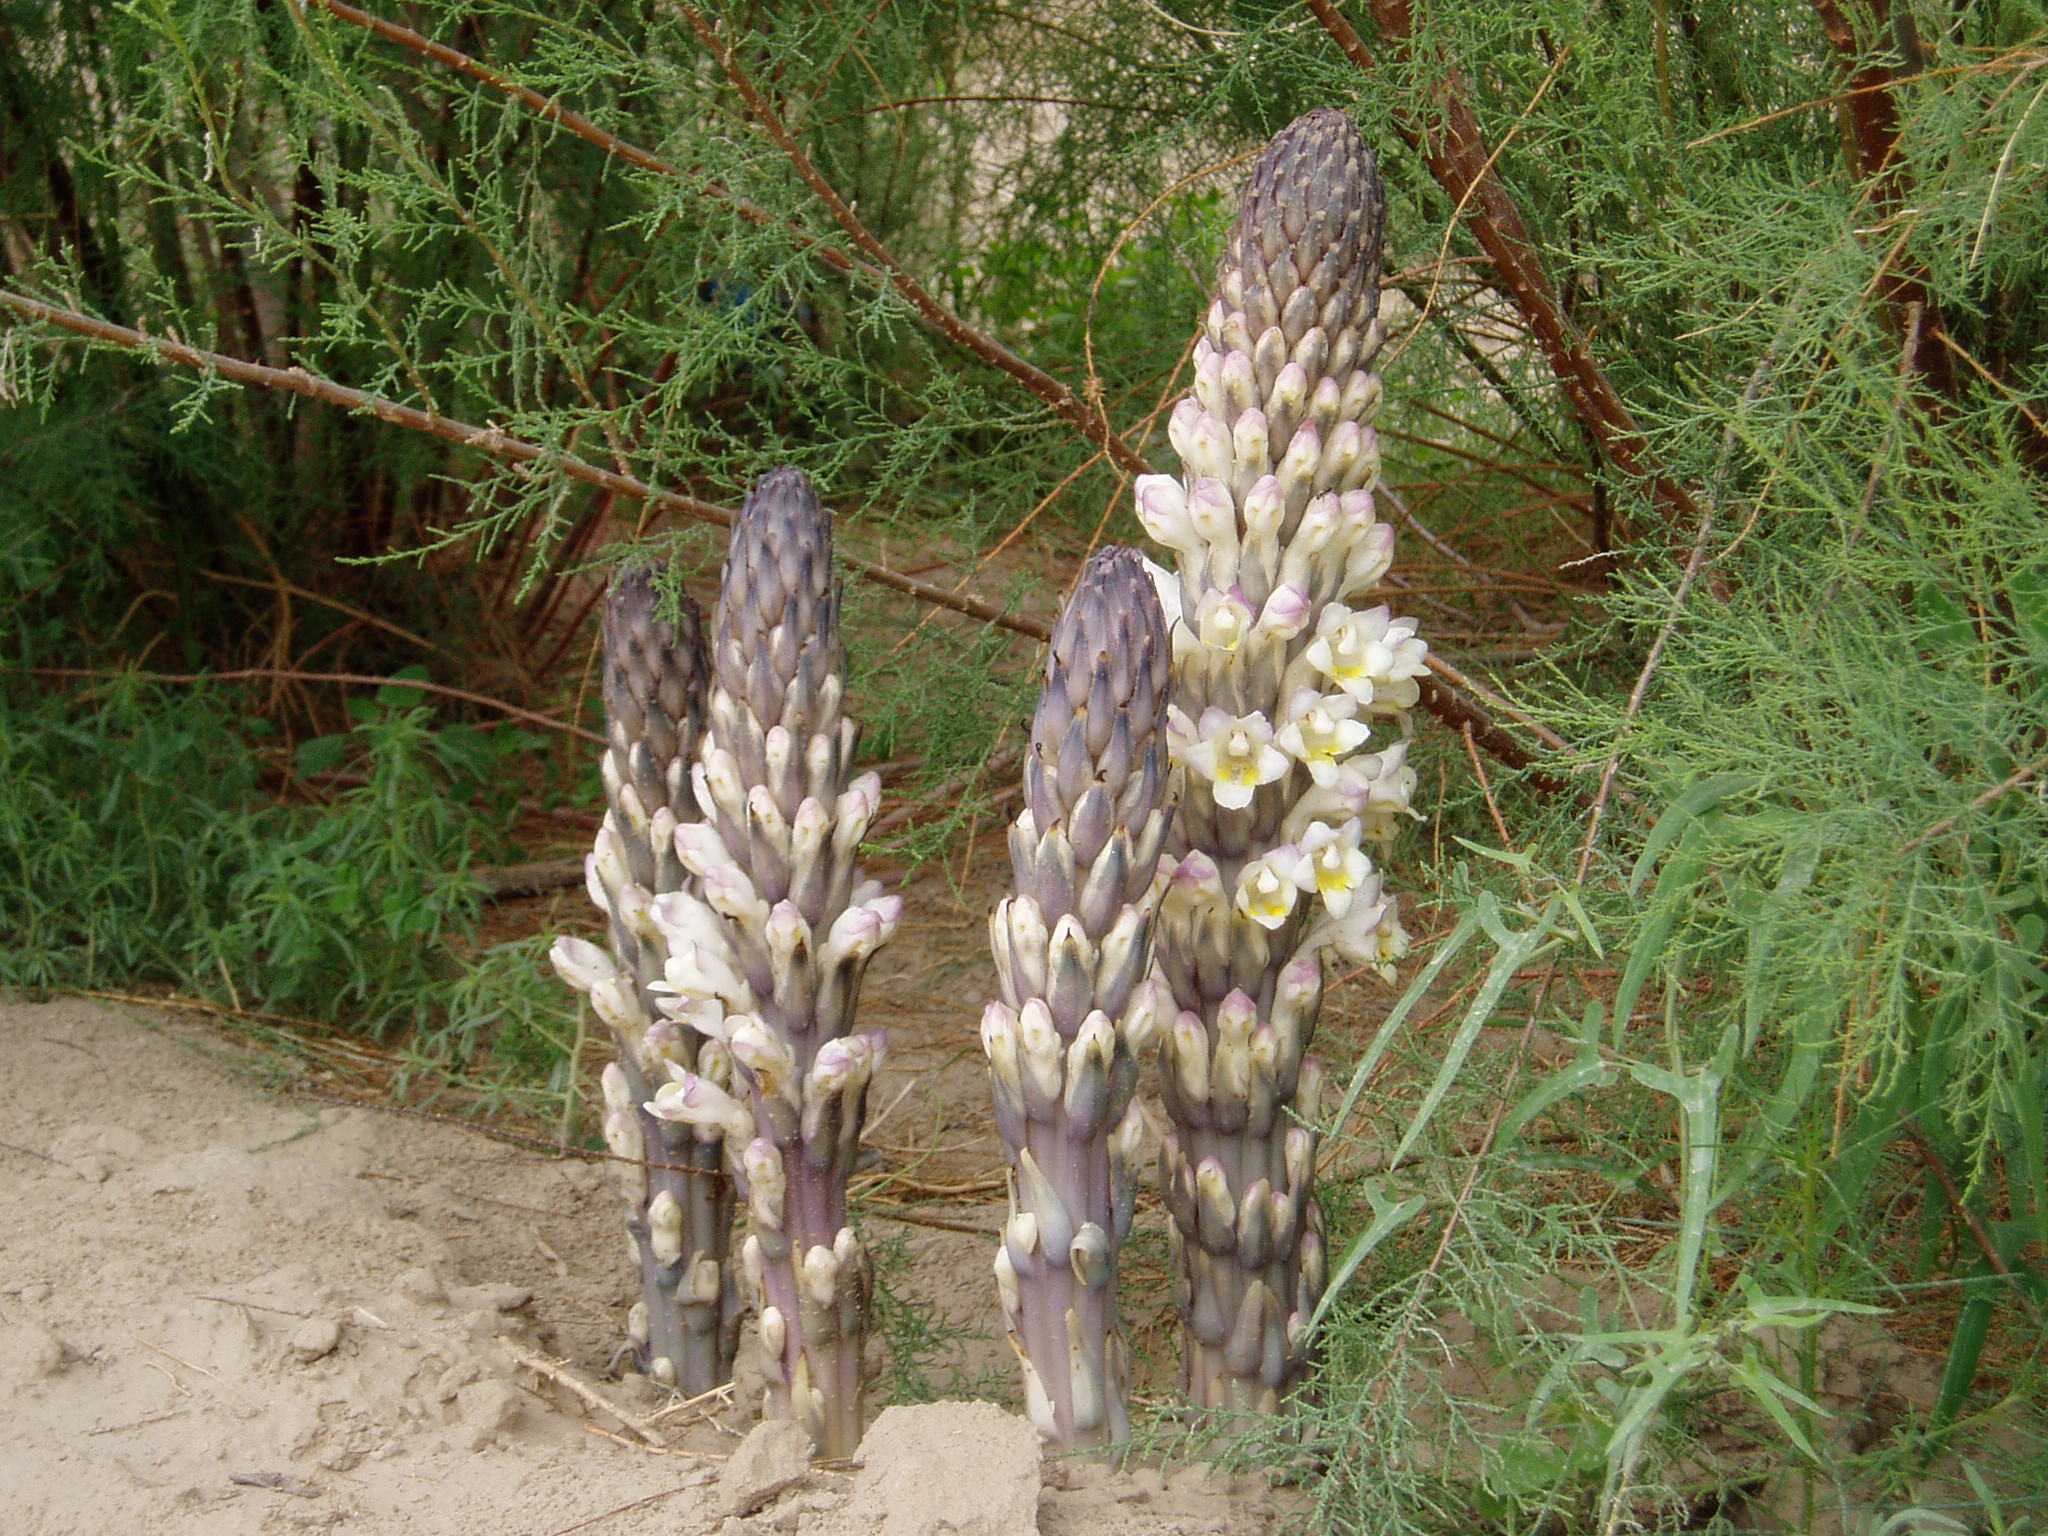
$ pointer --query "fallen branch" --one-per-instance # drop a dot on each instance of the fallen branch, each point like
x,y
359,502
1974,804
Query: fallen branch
x,y
589,1396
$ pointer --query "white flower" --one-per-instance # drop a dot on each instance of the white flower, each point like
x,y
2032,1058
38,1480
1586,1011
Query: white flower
x,y
766,1055
1320,732
1355,935
1387,784
1266,888
1223,619
1332,865
1370,655
1236,754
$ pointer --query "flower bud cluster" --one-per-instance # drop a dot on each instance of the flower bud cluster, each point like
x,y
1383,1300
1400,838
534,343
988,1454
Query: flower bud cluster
x,y
1290,727
765,954
1078,1007
679,1209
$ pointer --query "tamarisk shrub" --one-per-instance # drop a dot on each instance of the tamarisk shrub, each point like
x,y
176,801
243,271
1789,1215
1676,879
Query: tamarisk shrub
x,y
766,955
1279,687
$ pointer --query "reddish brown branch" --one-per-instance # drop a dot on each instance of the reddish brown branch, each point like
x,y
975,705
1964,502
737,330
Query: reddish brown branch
x,y
485,440
1457,155
1444,694
1872,109
1065,404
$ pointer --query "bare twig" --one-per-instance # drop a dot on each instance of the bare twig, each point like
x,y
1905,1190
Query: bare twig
x,y
584,1393
1998,791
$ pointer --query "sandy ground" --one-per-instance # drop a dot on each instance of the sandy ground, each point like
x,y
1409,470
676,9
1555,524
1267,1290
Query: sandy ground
x,y
223,1311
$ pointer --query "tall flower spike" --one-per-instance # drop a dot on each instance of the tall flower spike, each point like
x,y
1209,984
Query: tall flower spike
x,y
1072,948
1285,728
771,955
679,1205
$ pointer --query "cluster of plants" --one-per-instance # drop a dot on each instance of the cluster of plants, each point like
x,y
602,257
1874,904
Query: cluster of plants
x,y
1714,432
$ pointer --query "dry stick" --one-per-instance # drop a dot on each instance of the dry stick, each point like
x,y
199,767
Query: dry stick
x,y
397,631
1065,404
485,440
589,1396
267,674
1457,157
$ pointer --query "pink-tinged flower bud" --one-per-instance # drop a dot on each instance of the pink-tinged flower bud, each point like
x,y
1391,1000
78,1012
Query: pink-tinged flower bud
x,y
618,1005
610,856
1297,467
1248,448
1289,397
1180,426
700,847
855,934
1214,514
788,936
1286,613
690,1100
1150,1007
1163,511
1208,455
1240,383
582,964
1369,558
1188,1044
719,788
1040,1055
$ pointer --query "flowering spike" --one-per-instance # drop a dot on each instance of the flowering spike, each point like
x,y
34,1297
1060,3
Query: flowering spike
x,y
679,1208
1070,948
778,945
1278,685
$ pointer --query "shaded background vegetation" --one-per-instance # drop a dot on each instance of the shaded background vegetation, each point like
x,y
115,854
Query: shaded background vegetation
x,y
1717,416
